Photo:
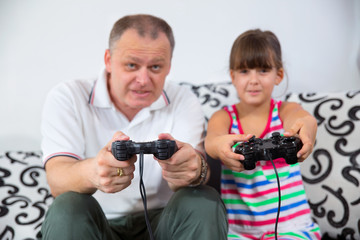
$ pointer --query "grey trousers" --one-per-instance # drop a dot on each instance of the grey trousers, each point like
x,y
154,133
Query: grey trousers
x,y
192,213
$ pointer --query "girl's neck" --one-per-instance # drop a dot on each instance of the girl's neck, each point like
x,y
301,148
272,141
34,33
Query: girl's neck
x,y
245,110
253,119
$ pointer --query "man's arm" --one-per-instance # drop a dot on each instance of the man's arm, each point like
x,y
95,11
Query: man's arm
x,y
87,176
68,174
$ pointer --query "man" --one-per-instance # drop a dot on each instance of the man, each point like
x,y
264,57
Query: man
x,y
97,196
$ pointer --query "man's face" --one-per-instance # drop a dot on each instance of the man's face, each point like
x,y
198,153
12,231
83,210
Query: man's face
x,y
137,68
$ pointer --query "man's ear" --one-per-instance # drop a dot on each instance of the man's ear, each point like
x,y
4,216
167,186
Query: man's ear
x,y
280,76
107,60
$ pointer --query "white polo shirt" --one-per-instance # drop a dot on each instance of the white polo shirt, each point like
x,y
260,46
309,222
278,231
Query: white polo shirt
x,y
79,119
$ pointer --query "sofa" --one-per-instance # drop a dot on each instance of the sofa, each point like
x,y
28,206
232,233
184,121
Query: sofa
x,y
331,174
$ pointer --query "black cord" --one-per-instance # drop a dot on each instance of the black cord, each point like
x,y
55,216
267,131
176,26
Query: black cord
x,y
279,192
143,195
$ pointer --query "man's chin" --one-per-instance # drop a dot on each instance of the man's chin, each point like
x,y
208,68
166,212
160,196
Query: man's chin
x,y
139,106
142,102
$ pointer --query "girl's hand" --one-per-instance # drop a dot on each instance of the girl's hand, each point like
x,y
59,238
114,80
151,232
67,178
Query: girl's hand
x,y
225,152
306,128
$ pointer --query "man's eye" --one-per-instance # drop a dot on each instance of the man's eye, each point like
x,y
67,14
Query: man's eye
x,y
155,67
131,66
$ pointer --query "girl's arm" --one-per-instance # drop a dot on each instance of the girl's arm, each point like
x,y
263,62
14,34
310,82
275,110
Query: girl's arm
x,y
218,141
298,121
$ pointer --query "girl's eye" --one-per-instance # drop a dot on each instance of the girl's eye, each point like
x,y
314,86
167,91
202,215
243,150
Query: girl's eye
x,y
264,70
243,71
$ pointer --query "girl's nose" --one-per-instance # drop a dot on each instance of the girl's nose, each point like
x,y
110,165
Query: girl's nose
x,y
253,77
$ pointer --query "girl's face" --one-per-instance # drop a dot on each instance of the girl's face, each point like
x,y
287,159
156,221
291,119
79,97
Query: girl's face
x,y
255,86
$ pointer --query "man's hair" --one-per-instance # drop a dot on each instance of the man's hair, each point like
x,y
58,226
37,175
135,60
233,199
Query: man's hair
x,y
145,25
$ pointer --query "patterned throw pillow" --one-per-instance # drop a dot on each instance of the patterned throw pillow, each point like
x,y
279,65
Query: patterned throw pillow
x,y
332,173
24,195
213,96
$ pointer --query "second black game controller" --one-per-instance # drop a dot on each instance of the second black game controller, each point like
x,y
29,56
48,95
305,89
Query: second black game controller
x,y
276,146
162,149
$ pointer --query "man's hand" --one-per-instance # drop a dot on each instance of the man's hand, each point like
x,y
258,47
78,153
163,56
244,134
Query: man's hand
x,y
109,174
183,167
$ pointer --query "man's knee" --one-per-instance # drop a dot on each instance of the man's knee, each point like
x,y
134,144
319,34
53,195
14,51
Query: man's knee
x,y
72,207
72,203
194,213
202,201
72,215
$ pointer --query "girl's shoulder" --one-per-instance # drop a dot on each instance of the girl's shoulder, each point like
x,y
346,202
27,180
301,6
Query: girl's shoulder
x,y
222,113
220,116
285,105
225,111
289,108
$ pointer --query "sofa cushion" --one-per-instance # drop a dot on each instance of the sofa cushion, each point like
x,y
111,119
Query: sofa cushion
x,y
213,96
332,173
24,195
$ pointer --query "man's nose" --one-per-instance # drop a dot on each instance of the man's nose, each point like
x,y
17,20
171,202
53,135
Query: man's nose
x,y
143,76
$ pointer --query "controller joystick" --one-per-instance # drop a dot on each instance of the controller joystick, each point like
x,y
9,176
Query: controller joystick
x,y
162,149
276,146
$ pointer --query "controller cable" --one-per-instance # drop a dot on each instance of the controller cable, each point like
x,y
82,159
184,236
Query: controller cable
x,y
143,195
279,191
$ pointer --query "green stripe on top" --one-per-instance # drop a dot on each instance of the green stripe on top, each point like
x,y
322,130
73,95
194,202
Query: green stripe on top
x,y
266,202
281,175
289,234
242,175
315,229
256,174
275,109
235,145
232,236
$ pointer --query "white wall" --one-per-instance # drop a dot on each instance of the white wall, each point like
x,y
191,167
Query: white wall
x,y
45,42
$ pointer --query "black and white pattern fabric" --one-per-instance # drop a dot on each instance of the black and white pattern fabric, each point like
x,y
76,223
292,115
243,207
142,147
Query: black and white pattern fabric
x,y
213,97
24,195
332,173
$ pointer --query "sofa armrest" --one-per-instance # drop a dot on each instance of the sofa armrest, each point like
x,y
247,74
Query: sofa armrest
x,y
24,194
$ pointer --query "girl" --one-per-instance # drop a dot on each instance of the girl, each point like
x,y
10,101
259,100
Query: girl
x,y
251,196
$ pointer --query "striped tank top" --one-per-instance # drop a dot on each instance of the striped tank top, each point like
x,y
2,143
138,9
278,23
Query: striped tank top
x,y
251,197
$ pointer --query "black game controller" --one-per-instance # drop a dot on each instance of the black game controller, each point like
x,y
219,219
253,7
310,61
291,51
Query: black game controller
x,y
162,149
268,149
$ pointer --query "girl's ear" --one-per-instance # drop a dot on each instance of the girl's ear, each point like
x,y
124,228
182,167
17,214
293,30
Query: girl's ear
x,y
280,76
232,75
